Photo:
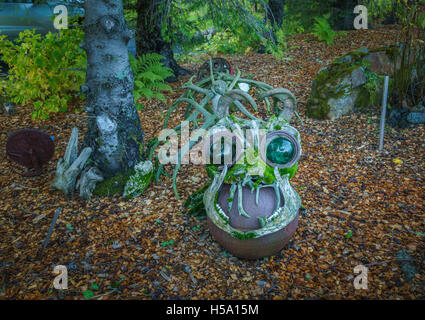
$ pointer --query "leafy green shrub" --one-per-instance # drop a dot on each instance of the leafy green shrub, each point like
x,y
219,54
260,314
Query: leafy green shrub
x,y
292,26
323,31
238,41
149,77
223,42
279,50
45,71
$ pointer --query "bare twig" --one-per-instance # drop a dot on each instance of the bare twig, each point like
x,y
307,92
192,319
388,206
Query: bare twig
x,y
52,226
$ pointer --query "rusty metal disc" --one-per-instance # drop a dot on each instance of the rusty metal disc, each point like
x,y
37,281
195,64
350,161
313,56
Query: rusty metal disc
x,y
30,148
218,64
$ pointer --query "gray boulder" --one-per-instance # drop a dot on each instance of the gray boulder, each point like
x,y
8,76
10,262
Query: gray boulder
x,y
416,117
353,81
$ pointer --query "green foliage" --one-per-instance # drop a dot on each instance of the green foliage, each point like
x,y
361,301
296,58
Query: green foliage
x,y
113,185
411,16
243,235
379,9
371,86
292,26
45,71
227,42
88,294
239,28
323,31
279,49
149,77
298,14
195,204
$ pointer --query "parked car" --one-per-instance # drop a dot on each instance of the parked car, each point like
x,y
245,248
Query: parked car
x,y
19,15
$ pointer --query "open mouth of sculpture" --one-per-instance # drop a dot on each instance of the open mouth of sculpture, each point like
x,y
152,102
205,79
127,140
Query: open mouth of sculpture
x,y
250,208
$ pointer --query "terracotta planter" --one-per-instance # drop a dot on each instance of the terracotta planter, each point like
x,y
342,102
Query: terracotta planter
x,y
267,245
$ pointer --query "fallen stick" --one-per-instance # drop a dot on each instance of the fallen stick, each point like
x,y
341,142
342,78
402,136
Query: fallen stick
x,y
383,114
52,226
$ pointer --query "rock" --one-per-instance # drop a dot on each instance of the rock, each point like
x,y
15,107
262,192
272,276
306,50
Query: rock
x,y
398,118
333,96
358,77
341,106
138,183
380,63
340,87
344,59
71,151
30,148
416,117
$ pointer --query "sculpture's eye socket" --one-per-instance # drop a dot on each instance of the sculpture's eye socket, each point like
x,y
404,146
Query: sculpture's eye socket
x,y
281,149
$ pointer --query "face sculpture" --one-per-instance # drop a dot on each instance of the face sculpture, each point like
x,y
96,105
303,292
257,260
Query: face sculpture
x,y
252,210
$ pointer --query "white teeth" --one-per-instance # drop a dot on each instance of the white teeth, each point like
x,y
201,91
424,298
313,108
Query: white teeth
x,y
221,213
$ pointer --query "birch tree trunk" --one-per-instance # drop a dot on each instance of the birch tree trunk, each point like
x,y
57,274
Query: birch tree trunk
x,y
114,129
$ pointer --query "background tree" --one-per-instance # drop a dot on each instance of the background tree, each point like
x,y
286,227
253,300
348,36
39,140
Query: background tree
x,y
342,14
151,15
275,12
114,131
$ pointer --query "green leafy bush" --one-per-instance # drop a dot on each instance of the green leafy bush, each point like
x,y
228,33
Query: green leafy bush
x,y
279,50
149,77
45,71
323,31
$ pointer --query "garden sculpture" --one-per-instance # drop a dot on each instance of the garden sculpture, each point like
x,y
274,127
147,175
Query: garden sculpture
x,y
251,208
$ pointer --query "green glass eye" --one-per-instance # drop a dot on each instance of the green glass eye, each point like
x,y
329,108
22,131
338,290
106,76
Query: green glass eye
x,y
280,151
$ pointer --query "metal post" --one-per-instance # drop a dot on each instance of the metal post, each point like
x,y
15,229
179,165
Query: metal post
x,y
383,114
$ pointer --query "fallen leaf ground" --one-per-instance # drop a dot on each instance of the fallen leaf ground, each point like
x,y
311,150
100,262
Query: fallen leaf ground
x,y
360,208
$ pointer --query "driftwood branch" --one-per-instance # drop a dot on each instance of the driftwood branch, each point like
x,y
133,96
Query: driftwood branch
x,y
71,165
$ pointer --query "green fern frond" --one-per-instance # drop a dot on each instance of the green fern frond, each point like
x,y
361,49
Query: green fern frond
x,y
149,77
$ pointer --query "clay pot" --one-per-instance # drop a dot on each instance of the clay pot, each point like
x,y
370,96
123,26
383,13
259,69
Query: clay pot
x,y
268,245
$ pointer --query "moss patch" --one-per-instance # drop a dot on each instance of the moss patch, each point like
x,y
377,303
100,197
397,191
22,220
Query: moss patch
x,y
113,185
